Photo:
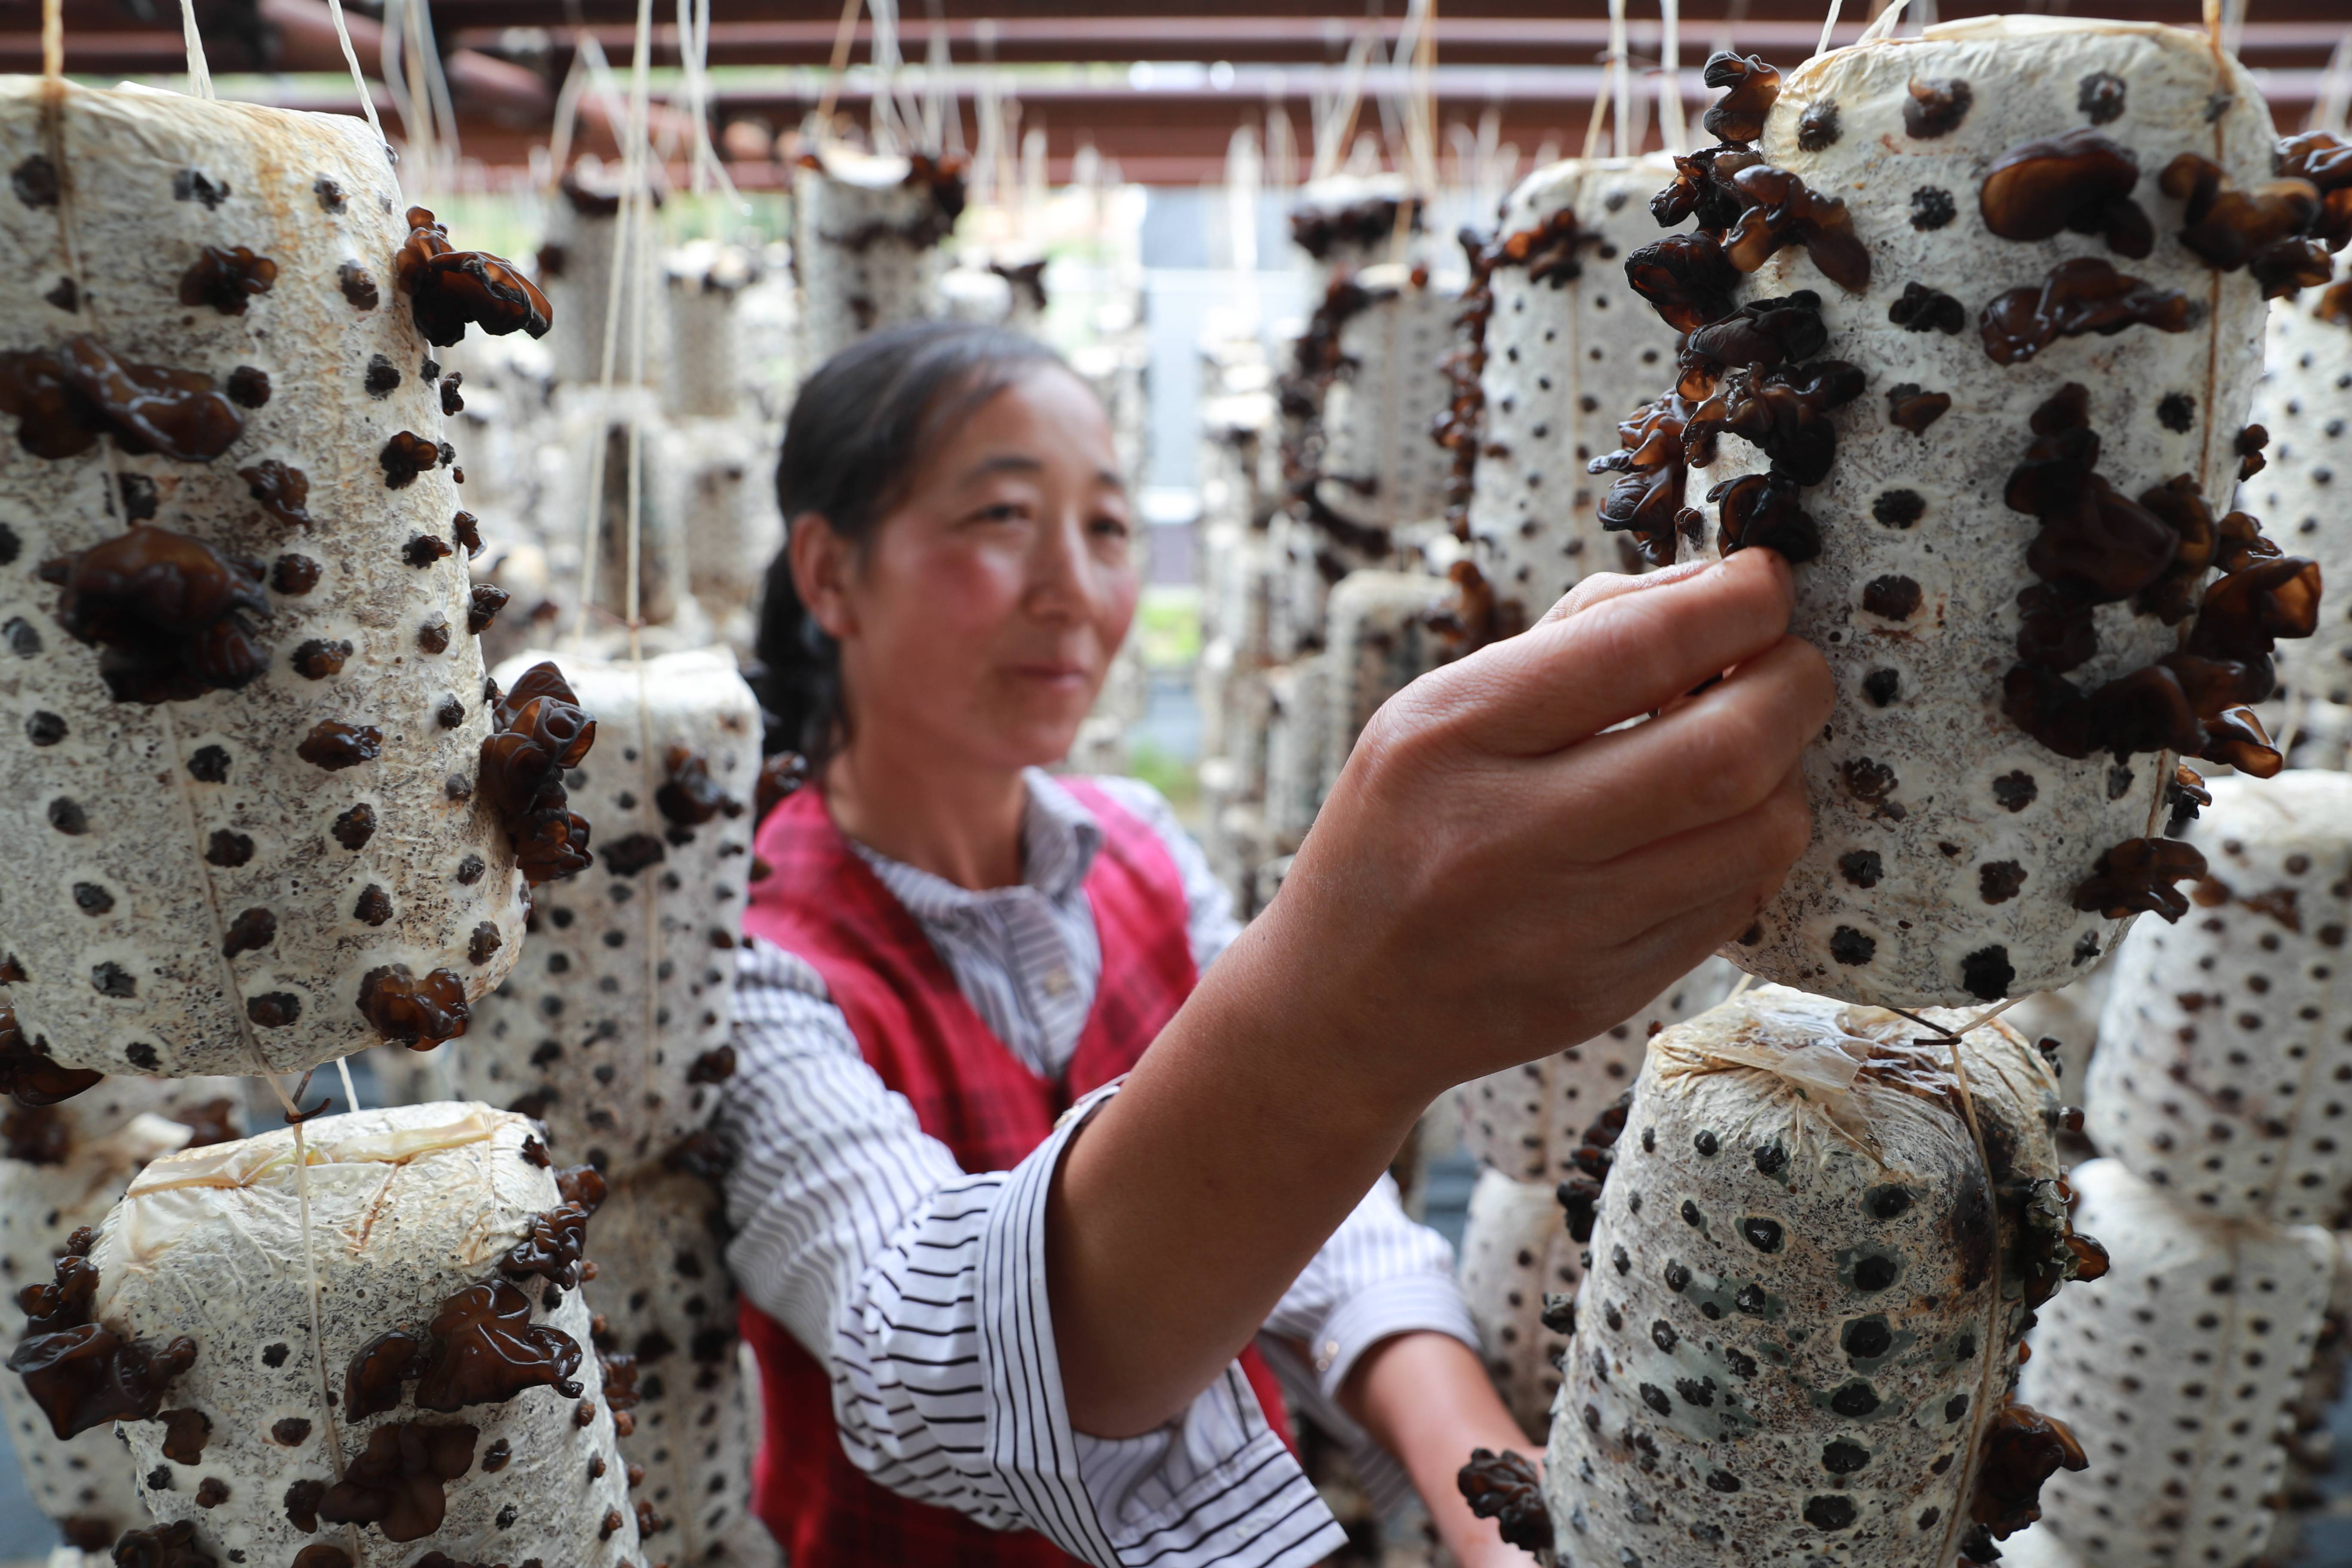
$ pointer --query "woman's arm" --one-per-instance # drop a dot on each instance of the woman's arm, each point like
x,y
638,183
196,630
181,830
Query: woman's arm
x,y
1425,1398
1491,875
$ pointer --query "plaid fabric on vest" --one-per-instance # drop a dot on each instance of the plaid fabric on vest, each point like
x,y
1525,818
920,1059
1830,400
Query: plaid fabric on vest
x,y
915,1029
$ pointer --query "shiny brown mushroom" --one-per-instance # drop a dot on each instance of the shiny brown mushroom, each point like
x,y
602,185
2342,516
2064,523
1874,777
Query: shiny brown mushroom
x,y
2080,181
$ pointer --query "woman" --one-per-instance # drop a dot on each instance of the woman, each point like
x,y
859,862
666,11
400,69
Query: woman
x,y
1003,1267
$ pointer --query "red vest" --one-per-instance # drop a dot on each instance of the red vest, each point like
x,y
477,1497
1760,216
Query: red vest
x,y
821,901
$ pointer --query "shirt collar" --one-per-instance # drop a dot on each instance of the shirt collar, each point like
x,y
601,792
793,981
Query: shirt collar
x,y
1059,840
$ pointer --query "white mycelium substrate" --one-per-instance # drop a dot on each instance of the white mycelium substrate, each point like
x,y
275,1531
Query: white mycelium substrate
x,y
1807,1288
2225,1072
1526,1121
1569,350
185,879
866,228
1515,1249
662,1288
66,1165
407,1208
612,1030
1380,467
2303,491
1384,633
1925,796
2175,1373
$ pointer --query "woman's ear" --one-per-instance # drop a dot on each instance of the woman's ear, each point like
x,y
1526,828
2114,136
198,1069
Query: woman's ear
x,y
821,564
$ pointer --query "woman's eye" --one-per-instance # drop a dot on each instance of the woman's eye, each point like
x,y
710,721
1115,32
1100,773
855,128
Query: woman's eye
x,y
1109,527
1002,511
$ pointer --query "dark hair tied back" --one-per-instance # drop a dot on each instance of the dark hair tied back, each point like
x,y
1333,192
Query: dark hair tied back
x,y
852,447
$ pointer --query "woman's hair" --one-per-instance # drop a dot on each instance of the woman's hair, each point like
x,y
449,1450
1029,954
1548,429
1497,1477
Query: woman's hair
x,y
858,434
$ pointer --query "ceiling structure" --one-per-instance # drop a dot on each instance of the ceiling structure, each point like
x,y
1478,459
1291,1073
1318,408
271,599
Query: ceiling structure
x,y
1157,89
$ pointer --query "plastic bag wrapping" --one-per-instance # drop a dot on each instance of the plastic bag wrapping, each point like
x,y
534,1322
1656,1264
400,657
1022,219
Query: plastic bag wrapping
x,y
191,875
2227,1062
411,1211
1379,466
2175,1373
866,234
1386,629
1809,1275
613,1029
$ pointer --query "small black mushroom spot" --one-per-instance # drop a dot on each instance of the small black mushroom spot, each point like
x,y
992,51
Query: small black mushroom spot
x,y
358,285
208,764
1844,1459
247,387
1867,1339
1924,309
1998,881
1875,1272
383,377
1854,1399
43,728
1932,208
2014,791
423,549
1898,508
34,182
2177,412
1936,106
68,817
1894,598
1763,1235
1882,687
2100,97
330,194
274,1012
195,186
1851,947
1987,972
1887,1201
1818,127
111,979
1832,1512
1862,868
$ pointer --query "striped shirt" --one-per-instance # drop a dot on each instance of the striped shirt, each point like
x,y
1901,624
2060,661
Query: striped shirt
x,y
923,1288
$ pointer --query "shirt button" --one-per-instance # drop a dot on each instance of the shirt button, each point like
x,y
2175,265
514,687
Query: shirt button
x,y
1058,982
1329,1354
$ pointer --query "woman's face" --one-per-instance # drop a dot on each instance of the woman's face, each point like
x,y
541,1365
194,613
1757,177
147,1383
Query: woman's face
x,y
984,611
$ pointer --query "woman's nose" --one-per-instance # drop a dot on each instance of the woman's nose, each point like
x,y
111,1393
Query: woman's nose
x,y
1065,579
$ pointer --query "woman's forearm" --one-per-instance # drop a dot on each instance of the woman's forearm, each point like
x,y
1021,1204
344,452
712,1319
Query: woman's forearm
x,y
1493,877
1200,1189
1425,1398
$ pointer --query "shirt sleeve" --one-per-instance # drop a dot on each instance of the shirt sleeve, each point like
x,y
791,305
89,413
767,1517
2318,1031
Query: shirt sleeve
x,y
922,1288
1209,908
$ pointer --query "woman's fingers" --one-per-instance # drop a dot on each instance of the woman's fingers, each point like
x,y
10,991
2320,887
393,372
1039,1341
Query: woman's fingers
x,y
1631,652
1590,591
1740,858
1706,761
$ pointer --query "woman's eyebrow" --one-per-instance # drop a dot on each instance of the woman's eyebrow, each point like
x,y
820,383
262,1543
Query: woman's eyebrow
x,y
1002,463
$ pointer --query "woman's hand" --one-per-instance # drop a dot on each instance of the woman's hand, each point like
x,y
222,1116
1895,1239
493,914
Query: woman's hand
x,y
1492,879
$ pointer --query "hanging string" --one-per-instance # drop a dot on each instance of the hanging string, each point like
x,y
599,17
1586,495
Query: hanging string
x,y
350,1095
1621,80
200,72
1600,110
53,39
2329,111
844,36
1672,126
1829,27
359,77
1883,24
